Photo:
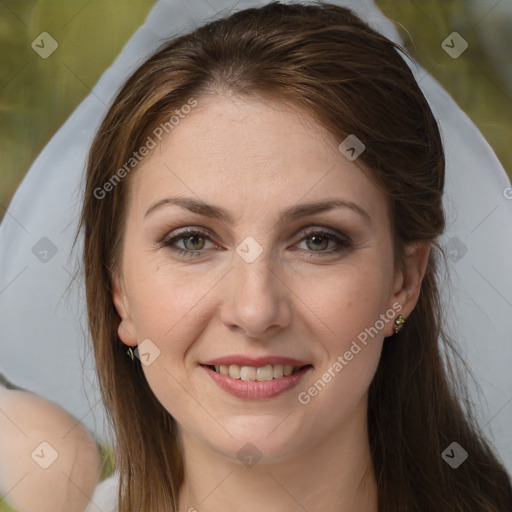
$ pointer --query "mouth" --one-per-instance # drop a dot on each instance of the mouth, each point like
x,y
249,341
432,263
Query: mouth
x,y
257,373
256,382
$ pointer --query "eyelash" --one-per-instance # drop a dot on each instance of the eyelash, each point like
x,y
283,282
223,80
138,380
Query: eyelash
x,y
343,242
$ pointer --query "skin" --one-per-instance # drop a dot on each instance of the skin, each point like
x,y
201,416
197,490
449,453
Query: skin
x,y
26,421
255,159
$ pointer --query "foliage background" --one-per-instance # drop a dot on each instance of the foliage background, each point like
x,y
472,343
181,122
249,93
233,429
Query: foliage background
x,y
37,95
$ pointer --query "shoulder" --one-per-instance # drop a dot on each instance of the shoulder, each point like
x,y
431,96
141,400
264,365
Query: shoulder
x,y
33,431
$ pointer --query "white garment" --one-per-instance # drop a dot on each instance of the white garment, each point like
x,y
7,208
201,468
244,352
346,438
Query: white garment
x,y
105,496
43,333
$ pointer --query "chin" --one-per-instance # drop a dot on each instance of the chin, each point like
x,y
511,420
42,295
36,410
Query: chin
x,y
265,439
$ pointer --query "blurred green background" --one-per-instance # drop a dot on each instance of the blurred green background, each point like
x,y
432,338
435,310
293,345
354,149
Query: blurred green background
x,y
37,95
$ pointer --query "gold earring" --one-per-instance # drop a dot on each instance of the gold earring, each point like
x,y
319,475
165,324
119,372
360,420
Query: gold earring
x,y
399,323
130,353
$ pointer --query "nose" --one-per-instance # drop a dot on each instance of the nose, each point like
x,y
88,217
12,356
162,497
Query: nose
x,y
257,300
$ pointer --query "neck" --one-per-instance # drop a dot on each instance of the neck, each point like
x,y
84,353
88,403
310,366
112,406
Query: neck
x,y
334,475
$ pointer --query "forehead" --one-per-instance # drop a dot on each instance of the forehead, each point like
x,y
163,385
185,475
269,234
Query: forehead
x,y
243,152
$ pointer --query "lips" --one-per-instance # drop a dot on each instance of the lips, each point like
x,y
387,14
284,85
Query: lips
x,y
256,377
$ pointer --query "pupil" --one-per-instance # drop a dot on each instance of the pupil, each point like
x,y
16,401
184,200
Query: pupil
x,y
194,239
319,241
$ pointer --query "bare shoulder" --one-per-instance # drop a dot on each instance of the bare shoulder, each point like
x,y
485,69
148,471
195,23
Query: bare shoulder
x,y
48,460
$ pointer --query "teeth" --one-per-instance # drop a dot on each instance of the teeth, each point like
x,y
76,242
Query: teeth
x,y
278,371
234,371
248,373
261,373
265,373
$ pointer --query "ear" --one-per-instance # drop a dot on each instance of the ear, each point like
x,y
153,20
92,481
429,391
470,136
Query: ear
x,y
407,285
126,329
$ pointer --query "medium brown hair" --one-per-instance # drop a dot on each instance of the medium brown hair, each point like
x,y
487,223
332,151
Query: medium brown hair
x,y
324,60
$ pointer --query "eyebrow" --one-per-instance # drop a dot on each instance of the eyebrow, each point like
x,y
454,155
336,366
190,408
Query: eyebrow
x,y
288,215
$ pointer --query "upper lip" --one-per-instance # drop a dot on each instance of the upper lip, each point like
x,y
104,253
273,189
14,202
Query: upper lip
x,y
260,361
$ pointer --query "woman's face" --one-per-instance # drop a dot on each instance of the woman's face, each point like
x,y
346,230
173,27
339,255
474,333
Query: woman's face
x,y
265,277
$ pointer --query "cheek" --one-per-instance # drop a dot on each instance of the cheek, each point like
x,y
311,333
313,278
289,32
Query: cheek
x,y
345,312
347,300
351,334
166,299
347,330
170,305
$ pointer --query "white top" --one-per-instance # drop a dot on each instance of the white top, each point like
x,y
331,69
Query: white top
x,y
105,496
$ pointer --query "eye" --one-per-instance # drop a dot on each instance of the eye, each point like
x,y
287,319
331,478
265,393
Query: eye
x,y
318,240
193,242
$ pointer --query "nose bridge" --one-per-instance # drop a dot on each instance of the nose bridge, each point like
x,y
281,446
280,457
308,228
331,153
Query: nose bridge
x,y
253,262
255,276
257,299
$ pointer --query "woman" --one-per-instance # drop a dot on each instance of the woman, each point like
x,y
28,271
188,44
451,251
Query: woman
x,y
267,376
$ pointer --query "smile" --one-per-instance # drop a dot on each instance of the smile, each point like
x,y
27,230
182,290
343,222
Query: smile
x,y
253,382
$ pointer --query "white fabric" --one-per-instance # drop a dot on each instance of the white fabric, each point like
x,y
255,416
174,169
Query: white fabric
x,y
105,496
43,333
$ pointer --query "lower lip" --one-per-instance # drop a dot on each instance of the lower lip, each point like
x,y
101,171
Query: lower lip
x,y
254,389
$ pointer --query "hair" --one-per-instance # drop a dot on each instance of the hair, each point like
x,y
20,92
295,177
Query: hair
x,y
330,65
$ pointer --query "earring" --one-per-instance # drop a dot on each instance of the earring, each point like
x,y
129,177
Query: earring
x,y
399,323
129,352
